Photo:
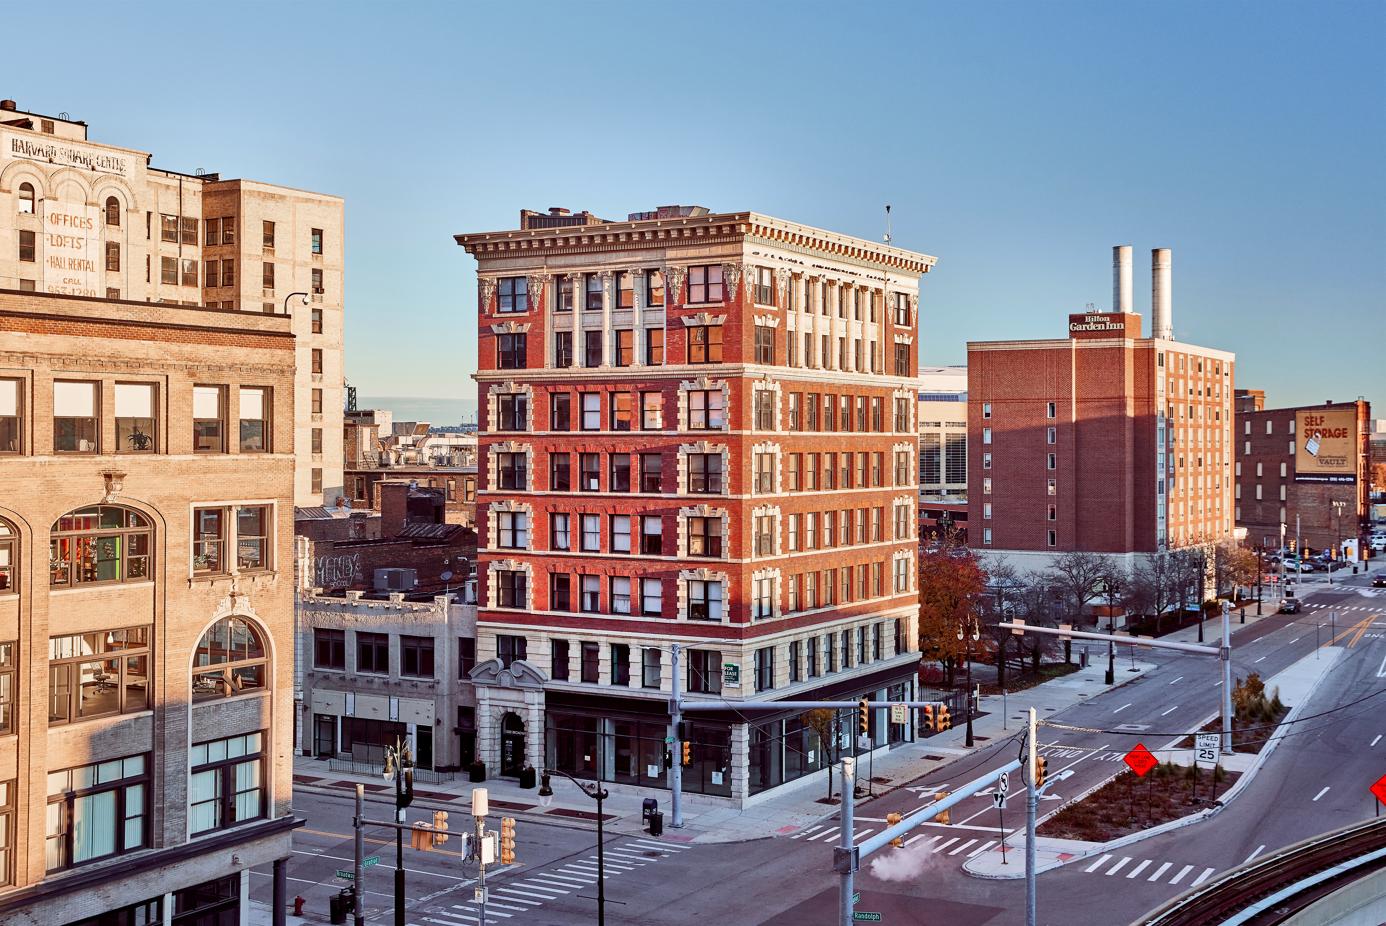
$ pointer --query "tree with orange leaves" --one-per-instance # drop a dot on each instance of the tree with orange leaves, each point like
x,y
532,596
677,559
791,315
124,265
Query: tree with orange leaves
x,y
951,586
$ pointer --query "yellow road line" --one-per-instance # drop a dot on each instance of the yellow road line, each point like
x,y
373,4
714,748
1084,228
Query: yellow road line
x,y
1361,629
383,842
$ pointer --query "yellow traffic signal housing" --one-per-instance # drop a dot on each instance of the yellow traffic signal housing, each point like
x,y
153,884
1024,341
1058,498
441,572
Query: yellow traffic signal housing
x,y
945,720
1041,770
687,753
507,836
929,723
942,817
440,827
891,820
863,716
421,838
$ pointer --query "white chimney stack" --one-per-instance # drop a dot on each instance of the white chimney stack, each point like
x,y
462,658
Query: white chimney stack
x,y
1161,295
1121,278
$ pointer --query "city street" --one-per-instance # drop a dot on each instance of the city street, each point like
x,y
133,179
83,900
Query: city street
x,y
1316,780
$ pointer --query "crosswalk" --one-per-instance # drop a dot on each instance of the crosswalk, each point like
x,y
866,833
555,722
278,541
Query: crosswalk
x,y
831,836
514,896
1184,877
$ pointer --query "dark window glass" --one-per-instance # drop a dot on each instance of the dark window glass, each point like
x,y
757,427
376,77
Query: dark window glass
x,y
329,649
373,653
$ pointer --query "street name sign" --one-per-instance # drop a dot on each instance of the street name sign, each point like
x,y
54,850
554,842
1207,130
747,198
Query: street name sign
x,y
1206,747
1140,760
373,860
1379,789
855,898
346,875
867,917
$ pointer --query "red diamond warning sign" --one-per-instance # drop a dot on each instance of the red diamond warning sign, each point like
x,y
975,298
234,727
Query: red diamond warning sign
x,y
1141,760
1379,789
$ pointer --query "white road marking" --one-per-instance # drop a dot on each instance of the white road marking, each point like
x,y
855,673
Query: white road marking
x,y
497,903
569,877
799,835
857,837
1182,872
608,863
1203,877
829,833
1295,640
1097,864
1179,679
1171,710
536,899
1381,672
984,847
658,845
489,911
914,839
1323,792
943,845
1138,869
553,887
1254,854
1118,866
1377,740
1254,663
1120,709
963,846
1160,871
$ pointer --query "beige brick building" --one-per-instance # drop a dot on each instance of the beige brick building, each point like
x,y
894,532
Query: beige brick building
x,y
146,602
82,218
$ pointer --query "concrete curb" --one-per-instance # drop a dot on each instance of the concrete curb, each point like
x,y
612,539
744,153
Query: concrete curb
x,y
1282,730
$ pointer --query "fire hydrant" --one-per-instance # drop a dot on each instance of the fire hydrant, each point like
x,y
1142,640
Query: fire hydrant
x,y
298,906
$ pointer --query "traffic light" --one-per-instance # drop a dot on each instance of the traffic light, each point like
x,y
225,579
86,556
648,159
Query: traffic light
x,y
1041,770
420,838
687,753
507,840
929,723
891,820
1293,544
440,827
945,720
942,817
863,716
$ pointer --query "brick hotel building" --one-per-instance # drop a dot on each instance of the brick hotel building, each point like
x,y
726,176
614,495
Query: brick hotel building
x,y
1104,441
694,427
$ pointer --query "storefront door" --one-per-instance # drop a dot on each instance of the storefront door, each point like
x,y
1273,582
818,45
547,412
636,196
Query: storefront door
x,y
512,745
324,735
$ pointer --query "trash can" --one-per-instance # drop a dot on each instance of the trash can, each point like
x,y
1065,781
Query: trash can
x,y
336,909
656,824
527,777
477,771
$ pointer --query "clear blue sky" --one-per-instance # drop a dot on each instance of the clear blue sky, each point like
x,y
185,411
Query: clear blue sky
x,y
1016,142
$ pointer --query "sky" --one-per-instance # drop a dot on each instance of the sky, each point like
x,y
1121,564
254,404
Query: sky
x,y
1015,142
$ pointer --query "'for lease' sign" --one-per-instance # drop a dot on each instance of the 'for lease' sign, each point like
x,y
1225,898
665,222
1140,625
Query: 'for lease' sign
x,y
71,242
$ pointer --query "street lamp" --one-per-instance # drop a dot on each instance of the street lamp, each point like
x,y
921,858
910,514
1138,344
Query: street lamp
x,y
599,795
399,768
290,296
969,637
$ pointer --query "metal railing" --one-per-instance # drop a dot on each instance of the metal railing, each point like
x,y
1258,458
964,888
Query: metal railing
x,y
351,766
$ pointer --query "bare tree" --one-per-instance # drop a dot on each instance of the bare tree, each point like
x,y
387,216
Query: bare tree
x,y
823,721
1153,587
1076,575
1037,604
1004,586
1234,564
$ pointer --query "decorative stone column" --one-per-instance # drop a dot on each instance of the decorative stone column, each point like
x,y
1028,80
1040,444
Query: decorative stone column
x,y
608,300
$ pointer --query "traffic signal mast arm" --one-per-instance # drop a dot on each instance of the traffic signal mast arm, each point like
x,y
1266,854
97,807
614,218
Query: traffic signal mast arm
x,y
883,839
1020,627
806,705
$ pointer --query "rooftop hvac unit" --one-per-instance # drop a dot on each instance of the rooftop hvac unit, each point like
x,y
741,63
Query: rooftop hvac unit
x,y
395,580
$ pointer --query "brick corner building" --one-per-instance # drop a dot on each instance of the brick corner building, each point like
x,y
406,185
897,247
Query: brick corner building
x,y
693,427
1104,441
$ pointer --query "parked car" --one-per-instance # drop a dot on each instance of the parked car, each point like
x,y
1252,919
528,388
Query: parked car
x,y
1289,605
1306,565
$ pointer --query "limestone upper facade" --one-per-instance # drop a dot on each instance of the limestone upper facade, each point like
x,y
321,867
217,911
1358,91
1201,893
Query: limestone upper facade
x,y
82,218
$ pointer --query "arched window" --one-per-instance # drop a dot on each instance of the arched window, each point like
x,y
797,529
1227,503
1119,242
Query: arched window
x,y
8,537
26,197
230,659
112,211
103,543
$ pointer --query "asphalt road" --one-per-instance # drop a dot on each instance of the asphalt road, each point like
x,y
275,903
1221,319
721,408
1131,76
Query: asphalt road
x,y
1315,781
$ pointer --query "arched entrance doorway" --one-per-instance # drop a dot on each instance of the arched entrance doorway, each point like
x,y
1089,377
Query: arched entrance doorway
x,y
512,744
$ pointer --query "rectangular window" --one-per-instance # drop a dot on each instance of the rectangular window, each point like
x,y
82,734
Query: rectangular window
x,y
620,536
830,413
620,472
986,461
267,234
650,406
563,301
592,348
793,464
74,417
1050,410
765,344
1053,487
226,786
558,472
625,290
209,414
591,593
705,344
764,535
559,535
317,286
560,407
254,412
416,657
620,411
705,537
704,600
877,468
877,414
514,412
96,674
651,668
705,410
1053,436
96,811
513,529
315,357
511,351
1053,461
563,349
902,360
705,284
902,468
228,278
765,669
591,411
266,274
591,533
810,472
590,475
654,347
560,585
594,293
514,588
704,671
134,414
651,528
654,288
705,473
625,347
168,228
373,653
765,473
591,663
650,472
558,660
620,662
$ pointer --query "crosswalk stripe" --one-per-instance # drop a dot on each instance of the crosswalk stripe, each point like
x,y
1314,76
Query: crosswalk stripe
x,y
914,839
1159,871
1182,872
1118,866
981,849
1097,864
536,899
489,911
1138,869
458,916
963,846
943,845
862,835
801,833
553,887
581,873
829,833
585,879
1203,877
607,862
497,903
657,845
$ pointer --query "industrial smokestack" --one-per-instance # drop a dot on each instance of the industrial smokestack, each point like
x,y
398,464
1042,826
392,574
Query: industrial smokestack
x,y
1121,278
1161,295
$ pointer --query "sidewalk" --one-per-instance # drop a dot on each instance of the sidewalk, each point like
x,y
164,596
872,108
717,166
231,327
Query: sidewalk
x,y
781,814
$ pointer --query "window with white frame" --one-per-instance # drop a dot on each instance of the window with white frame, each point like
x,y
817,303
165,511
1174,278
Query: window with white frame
x,y
704,600
512,529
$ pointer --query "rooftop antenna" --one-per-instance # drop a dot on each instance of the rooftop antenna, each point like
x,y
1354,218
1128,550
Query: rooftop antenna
x,y
887,235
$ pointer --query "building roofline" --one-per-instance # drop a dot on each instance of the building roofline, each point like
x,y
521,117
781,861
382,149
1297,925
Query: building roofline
x,y
1090,343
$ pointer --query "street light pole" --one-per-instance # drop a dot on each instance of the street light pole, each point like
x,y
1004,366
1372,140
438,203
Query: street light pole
x,y
395,759
675,721
599,795
969,634
290,296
